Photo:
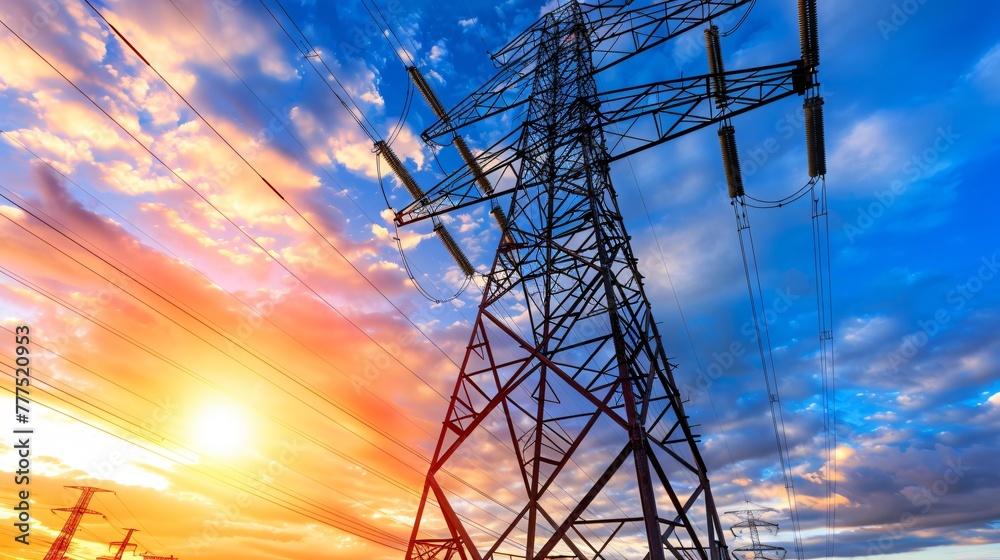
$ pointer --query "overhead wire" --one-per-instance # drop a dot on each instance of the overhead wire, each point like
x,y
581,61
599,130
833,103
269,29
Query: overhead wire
x,y
178,442
312,54
133,48
300,144
411,467
372,134
88,96
475,23
824,313
122,269
384,22
680,311
288,203
739,24
798,194
339,525
251,308
41,291
770,377
359,419
381,16
214,207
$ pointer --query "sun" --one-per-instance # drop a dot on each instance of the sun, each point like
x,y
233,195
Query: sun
x,y
222,430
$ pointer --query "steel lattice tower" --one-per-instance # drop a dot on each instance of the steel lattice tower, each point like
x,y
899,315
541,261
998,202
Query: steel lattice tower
x,y
600,458
76,513
123,545
752,523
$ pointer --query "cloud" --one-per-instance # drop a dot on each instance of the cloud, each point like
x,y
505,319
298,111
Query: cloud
x,y
214,317
986,74
438,51
19,71
129,181
870,145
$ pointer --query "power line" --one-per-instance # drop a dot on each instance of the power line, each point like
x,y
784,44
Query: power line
x,y
247,235
311,54
289,204
268,183
767,364
107,408
215,475
229,220
363,438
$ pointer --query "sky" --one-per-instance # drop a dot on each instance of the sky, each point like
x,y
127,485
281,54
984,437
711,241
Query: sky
x,y
255,375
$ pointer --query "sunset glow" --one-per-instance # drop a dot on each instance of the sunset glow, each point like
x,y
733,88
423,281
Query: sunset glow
x,y
222,430
227,331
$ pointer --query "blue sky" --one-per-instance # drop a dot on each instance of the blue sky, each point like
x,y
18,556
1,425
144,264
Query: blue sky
x,y
912,90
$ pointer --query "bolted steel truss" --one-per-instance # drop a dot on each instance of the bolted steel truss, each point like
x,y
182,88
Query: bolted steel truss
x,y
599,458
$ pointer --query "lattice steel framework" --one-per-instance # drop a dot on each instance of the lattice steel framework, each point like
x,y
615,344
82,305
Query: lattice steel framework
x,y
61,545
600,459
122,545
751,524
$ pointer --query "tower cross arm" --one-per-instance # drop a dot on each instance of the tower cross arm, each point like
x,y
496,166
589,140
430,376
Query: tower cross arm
x,y
458,190
620,34
640,117
616,30
633,119
79,510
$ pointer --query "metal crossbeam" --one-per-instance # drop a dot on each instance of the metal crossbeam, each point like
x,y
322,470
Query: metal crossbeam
x,y
633,119
588,366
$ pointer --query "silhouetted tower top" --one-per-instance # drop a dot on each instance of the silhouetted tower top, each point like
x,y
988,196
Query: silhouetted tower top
x,y
123,545
582,366
753,524
76,513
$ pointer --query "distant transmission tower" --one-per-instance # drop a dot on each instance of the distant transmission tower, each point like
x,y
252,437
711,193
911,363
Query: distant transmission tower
x,y
61,545
753,524
596,456
123,545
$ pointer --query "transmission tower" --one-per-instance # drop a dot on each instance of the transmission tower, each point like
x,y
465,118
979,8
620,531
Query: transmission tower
x,y
753,524
123,545
76,513
600,457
